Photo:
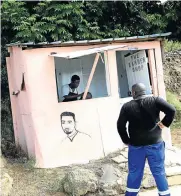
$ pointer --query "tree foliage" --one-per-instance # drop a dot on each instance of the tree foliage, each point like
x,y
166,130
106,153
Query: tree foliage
x,y
39,21
58,20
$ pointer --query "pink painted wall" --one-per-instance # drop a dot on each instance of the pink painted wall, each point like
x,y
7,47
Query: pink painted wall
x,y
22,121
37,113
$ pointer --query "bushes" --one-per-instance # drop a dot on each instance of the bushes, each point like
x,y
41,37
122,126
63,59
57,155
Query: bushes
x,y
171,46
7,135
174,100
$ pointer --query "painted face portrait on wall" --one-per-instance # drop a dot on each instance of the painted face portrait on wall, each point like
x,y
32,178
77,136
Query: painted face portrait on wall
x,y
68,122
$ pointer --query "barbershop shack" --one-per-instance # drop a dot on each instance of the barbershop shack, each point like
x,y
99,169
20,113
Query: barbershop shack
x,y
95,78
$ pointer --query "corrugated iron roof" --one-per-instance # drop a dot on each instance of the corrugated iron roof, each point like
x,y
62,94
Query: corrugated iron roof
x,y
97,41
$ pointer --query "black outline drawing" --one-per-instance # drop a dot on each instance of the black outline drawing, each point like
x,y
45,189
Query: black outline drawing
x,y
69,126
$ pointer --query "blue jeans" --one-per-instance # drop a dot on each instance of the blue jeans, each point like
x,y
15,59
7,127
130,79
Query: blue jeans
x,y
137,155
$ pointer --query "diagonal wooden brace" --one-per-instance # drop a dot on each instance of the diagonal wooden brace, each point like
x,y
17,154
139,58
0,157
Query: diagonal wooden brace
x,y
91,75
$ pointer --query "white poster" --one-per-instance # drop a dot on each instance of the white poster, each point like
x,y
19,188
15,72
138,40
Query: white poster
x,y
137,70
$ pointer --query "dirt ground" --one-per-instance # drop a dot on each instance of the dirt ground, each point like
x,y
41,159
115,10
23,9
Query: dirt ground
x,y
46,182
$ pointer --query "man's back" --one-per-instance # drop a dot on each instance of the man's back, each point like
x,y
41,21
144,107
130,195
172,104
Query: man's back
x,y
144,140
143,116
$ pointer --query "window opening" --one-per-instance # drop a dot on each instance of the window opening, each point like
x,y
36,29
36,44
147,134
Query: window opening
x,y
133,67
86,74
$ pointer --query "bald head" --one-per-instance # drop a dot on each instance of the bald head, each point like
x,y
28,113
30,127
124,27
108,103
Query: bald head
x,y
138,90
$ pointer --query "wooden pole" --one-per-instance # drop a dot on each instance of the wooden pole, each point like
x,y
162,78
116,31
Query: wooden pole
x,y
91,75
153,72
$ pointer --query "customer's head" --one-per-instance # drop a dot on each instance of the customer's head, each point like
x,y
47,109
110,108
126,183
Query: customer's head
x,y
138,90
75,81
89,96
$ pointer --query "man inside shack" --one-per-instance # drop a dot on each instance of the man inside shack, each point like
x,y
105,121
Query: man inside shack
x,y
145,140
70,91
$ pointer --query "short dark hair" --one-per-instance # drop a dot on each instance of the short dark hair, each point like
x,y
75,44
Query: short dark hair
x,y
139,88
74,78
67,114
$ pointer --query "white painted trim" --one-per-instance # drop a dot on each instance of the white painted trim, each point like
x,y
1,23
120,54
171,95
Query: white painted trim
x,y
132,190
127,99
71,55
164,192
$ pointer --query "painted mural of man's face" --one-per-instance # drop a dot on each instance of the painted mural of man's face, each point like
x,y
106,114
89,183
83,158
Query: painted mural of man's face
x,y
68,124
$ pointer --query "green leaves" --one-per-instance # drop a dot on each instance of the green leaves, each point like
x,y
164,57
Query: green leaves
x,y
56,20
39,21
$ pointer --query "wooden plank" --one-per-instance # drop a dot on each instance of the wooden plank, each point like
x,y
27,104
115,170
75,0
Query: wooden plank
x,y
113,74
91,75
160,77
152,67
166,135
107,73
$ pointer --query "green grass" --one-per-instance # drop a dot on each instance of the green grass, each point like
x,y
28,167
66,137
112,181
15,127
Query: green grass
x,y
171,46
176,125
30,164
172,98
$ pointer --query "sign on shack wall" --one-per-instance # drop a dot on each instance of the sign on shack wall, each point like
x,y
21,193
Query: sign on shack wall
x,y
137,70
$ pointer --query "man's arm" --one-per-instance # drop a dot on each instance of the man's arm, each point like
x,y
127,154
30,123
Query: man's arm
x,y
121,126
167,109
65,92
69,97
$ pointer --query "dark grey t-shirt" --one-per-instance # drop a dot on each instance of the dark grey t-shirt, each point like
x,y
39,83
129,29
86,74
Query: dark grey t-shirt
x,y
143,116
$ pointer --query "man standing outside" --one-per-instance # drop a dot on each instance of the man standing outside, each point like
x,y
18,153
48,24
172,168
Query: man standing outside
x,y
145,140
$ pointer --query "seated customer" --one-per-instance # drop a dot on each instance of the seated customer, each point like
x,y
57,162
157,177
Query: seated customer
x,y
89,96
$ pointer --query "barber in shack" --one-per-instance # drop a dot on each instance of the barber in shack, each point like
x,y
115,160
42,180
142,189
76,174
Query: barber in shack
x,y
70,91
